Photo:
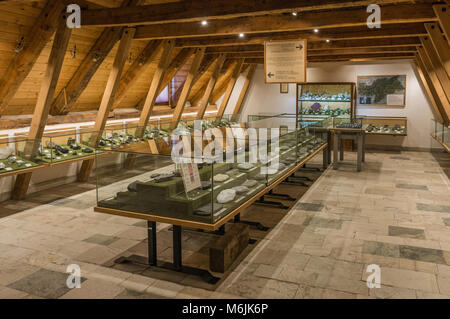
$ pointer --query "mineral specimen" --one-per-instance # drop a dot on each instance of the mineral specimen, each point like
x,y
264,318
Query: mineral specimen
x,y
245,166
221,178
250,183
241,189
208,209
226,196
6,152
2,166
12,159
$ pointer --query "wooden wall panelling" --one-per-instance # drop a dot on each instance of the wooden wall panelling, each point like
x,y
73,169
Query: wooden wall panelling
x,y
43,104
23,61
440,93
429,89
443,13
108,98
177,113
441,46
244,90
210,87
226,98
437,65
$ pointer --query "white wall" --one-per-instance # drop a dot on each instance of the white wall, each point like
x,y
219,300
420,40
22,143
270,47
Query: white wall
x,y
266,98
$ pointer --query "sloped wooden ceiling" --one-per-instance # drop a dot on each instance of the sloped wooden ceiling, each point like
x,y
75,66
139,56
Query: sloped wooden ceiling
x,y
341,22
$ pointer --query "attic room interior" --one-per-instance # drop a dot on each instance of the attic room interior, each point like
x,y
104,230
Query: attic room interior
x,y
223,149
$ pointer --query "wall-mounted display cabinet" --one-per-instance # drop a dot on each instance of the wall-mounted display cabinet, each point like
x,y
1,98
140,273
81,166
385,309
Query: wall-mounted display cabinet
x,y
326,99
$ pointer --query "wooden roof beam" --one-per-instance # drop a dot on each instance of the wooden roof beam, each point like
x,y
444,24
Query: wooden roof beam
x,y
441,46
392,14
197,10
443,13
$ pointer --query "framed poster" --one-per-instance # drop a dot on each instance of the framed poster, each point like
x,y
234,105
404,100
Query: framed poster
x,y
285,61
284,88
382,90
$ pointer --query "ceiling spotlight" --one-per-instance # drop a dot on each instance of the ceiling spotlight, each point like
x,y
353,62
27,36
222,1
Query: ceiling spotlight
x,y
327,41
241,35
316,30
204,22
294,14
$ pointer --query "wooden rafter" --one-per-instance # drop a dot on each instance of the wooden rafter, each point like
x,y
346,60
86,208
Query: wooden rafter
x,y
336,34
201,80
107,99
155,87
69,95
177,113
43,104
223,80
23,61
229,89
443,13
197,10
435,83
244,90
393,14
441,46
210,87
429,89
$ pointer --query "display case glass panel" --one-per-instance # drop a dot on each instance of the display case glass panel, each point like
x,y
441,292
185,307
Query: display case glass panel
x,y
326,99
441,133
385,125
12,155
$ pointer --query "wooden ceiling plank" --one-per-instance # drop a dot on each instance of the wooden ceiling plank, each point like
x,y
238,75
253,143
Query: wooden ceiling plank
x,y
156,85
394,14
177,113
43,104
229,90
244,90
441,46
198,10
443,13
34,42
210,88
429,89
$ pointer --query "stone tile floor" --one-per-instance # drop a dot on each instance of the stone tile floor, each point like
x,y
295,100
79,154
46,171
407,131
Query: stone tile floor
x,y
395,213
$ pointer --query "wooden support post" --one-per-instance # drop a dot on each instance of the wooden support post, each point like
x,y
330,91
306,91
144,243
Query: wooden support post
x,y
43,104
248,79
178,112
20,66
229,90
155,87
440,94
429,89
211,84
441,46
437,65
108,99
442,11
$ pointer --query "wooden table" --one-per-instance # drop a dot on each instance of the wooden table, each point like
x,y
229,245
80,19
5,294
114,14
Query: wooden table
x,y
358,135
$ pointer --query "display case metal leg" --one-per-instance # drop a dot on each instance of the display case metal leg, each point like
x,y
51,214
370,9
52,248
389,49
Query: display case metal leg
x,y
341,149
335,150
237,218
363,147
152,247
177,250
329,147
360,147
325,158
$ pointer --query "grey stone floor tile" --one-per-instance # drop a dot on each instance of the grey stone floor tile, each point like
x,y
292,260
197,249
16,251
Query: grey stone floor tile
x,y
323,223
406,232
412,186
311,207
131,294
44,283
381,249
422,254
433,208
446,221
100,239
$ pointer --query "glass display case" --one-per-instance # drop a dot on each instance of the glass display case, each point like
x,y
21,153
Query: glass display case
x,y
12,155
203,187
441,133
326,99
377,125
347,123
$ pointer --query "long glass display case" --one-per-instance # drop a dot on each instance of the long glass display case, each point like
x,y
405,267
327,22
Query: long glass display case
x,y
12,156
203,187
382,125
441,133
326,99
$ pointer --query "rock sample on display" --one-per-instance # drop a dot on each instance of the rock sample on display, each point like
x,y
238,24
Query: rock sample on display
x,y
221,178
208,209
12,159
232,172
6,152
240,189
245,166
133,186
226,196
206,185
164,178
250,183
2,166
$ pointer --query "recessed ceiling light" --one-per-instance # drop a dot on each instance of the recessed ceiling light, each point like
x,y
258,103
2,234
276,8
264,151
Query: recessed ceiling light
x,y
241,35
294,14
328,41
316,30
204,22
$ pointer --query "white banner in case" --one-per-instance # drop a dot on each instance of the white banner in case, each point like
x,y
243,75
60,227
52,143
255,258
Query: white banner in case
x,y
285,61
